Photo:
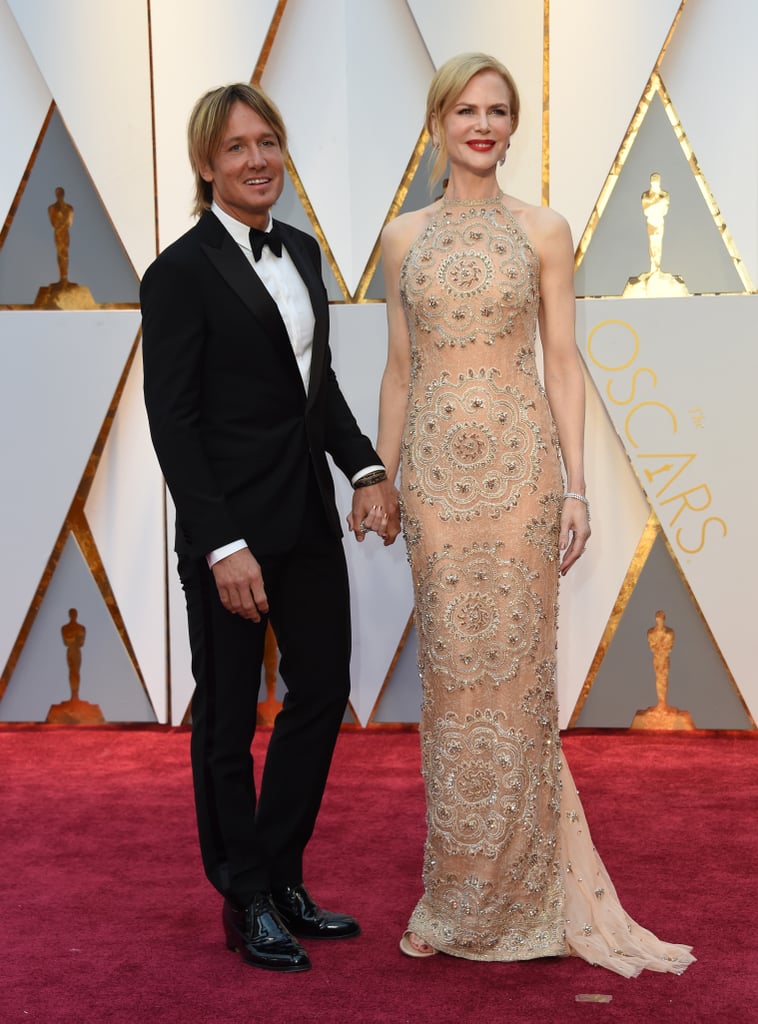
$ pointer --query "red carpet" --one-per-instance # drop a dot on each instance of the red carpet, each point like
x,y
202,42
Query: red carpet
x,y
106,915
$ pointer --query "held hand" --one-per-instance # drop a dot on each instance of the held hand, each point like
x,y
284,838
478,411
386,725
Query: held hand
x,y
239,581
575,532
377,521
375,509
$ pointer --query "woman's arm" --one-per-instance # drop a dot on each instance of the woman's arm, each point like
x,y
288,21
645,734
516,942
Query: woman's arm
x,y
564,377
393,396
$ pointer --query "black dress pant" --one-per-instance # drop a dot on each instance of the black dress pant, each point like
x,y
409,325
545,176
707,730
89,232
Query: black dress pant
x,y
254,841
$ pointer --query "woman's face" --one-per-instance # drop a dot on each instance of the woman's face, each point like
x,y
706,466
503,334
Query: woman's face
x,y
479,124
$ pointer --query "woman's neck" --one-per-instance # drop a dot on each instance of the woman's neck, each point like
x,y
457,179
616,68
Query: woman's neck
x,y
469,186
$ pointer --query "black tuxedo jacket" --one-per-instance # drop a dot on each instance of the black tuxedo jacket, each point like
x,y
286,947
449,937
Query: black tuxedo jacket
x,y
233,428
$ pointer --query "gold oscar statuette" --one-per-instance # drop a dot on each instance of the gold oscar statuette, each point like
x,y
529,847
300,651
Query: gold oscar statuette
x,y
269,708
655,282
63,294
74,711
660,639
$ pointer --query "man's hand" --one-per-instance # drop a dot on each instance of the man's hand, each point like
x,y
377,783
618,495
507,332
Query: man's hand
x,y
375,508
240,585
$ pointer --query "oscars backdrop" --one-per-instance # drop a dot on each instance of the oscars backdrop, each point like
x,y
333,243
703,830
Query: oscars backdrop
x,y
637,124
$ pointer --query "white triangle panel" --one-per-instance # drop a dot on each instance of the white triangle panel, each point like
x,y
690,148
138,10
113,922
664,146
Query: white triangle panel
x,y
354,110
65,368
193,53
512,32
94,57
24,103
678,376
619,513
380,582
125,513
601,58
711,75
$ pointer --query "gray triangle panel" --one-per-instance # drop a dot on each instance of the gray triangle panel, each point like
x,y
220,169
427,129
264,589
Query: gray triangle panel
x,y
97,259
698,680
692,246
107,677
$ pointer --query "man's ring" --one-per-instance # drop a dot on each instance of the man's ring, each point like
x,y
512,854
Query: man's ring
x,y
364,528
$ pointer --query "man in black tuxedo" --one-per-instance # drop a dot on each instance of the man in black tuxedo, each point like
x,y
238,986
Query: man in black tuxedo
x,y
243,406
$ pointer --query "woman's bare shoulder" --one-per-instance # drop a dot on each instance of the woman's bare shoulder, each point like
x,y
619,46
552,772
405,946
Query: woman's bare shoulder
x,y
402,231
542,224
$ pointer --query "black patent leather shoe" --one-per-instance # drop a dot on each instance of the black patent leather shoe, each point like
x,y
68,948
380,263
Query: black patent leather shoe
x,y
257,932
303,918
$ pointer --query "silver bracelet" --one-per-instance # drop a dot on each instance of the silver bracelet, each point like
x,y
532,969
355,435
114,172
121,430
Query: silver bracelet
x,y
579,497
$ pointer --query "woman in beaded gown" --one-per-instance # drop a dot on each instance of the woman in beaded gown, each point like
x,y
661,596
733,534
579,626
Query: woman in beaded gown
x,y
509,871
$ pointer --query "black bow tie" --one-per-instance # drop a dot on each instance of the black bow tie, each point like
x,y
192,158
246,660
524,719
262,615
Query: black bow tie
x,y
270,238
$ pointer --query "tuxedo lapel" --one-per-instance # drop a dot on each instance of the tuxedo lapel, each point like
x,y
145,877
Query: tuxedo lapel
x,y
224,254
311,275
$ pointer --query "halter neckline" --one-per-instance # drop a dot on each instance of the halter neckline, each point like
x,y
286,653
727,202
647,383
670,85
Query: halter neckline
x,y
473,202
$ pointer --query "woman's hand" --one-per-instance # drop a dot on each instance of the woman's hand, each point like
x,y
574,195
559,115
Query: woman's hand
x,y
575,532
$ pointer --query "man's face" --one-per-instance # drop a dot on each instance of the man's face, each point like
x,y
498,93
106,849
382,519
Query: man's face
x,y
247,170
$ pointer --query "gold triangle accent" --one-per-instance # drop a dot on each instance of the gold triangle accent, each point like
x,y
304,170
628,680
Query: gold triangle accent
x,y
710,200
644,547
395,206
317,229
268,42
74,522
26,175
669,36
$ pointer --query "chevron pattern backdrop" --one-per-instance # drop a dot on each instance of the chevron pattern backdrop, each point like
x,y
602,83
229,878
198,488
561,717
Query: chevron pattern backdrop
x,y
94,100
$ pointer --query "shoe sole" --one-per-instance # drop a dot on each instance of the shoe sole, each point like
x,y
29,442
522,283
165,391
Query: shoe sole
x,y
281,969
322,935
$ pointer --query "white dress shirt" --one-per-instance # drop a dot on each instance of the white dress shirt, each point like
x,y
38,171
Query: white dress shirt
x,y
285,286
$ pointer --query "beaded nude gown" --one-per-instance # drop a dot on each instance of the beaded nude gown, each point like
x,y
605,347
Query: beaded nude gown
x,y
509,872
